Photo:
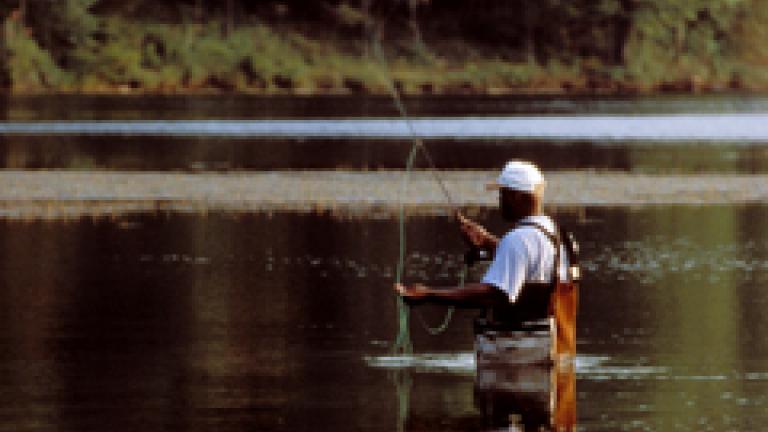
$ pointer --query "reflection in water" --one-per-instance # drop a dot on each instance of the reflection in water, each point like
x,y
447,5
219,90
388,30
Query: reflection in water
x,y
210,149
136,107
751,127
505,397
527,398
240,322
218,154
403,383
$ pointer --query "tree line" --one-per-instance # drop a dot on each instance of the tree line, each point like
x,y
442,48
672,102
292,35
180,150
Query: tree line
x,y
428,45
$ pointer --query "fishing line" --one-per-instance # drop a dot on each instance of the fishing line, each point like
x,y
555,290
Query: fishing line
x,y
403,343
434,331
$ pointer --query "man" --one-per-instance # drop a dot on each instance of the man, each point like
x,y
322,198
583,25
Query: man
x,y
519,285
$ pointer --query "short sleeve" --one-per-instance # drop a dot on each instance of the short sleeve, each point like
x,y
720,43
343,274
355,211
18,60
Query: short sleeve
x,y
508,269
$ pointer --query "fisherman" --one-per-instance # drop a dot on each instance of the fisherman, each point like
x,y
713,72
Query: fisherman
x,y
519,286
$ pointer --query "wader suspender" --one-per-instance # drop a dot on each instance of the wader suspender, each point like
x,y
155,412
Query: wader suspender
x,y
555,239
563,303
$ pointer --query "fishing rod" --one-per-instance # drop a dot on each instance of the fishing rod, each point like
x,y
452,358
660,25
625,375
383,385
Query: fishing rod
x,y
418,143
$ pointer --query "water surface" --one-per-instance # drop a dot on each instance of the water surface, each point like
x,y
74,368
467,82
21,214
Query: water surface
x,y
739,128
284,322
233,106
242,322
106,133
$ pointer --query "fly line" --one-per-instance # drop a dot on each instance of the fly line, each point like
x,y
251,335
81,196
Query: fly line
x,y
402,343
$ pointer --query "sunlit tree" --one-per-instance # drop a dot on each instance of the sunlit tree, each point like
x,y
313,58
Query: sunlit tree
x,y
64,27
683,37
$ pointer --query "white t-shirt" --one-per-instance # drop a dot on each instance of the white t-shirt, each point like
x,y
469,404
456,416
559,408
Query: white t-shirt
x,y
523,255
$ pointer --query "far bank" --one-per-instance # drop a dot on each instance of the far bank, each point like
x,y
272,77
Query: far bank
x,y
87,47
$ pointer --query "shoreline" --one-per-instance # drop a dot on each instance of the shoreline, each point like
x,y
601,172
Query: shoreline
x,y
73,194
562,89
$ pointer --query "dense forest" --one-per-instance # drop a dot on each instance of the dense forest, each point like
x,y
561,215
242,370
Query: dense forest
x,y
422,46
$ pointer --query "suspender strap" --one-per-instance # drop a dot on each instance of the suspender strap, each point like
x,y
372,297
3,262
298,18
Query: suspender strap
x,y
563,306
555,239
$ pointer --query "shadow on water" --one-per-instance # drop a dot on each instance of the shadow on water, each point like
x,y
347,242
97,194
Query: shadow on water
x,y
241,322
516,397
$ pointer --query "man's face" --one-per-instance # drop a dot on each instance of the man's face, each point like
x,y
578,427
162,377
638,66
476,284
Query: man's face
x,y
514,205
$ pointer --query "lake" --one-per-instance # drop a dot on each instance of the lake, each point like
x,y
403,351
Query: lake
x,y
254,322
237,321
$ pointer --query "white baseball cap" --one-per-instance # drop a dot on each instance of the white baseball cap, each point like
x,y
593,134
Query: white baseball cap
x,y
521,176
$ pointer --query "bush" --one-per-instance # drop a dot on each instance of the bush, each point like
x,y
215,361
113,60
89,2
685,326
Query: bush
x,y
29,66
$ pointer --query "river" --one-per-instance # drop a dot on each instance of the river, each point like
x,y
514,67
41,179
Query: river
x,y
235,321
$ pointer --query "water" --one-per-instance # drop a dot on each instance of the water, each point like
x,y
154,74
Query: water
x,y
720,134
283,322
737,128
200,107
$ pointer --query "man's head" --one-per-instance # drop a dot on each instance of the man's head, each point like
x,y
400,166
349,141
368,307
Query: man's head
x,y
521,187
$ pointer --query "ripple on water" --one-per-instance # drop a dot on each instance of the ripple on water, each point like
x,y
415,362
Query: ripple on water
x,y
457,362
652,259
442,266
589,367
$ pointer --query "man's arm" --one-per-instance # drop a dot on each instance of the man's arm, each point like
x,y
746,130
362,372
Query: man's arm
x,y
469,295
476,235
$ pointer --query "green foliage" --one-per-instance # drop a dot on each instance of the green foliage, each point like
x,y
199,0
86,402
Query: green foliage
x,y
294,45
274,56
28,65
62,27
679,39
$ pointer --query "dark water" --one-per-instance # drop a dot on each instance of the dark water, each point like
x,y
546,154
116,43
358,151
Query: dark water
x,y
234,322
195,153
219,154
142,107
284,322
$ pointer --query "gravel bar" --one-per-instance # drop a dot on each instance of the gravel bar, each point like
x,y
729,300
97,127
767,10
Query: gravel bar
x,y
62,194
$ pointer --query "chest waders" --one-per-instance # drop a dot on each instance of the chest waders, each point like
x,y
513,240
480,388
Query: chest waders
x,y
540,326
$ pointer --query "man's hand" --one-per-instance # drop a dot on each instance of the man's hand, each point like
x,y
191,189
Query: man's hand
x,y
413,293
474,233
